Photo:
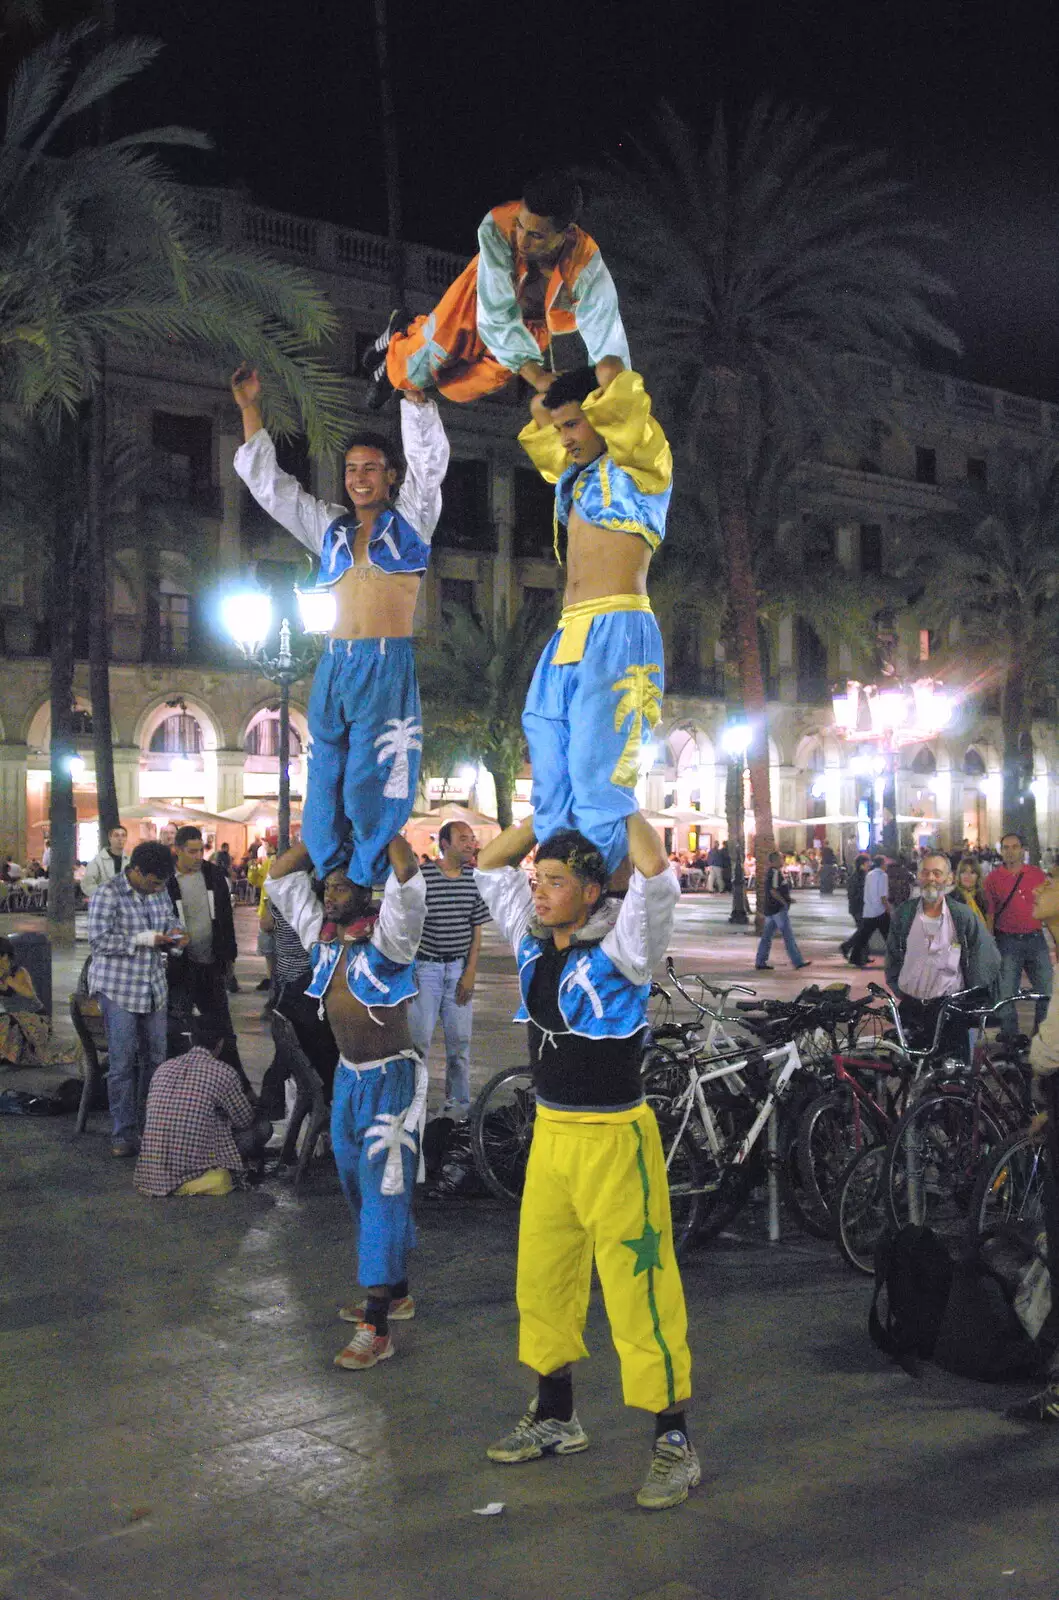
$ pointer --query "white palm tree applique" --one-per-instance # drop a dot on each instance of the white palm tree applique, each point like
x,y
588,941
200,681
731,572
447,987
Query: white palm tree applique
x,y
400,736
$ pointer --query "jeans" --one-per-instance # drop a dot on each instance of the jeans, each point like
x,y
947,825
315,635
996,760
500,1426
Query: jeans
x,y
858,946
778,922
437,993
200,987
1023,952
134,1039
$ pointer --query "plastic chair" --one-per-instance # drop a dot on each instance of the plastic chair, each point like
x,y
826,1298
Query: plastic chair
x,y
87,1018
310,1100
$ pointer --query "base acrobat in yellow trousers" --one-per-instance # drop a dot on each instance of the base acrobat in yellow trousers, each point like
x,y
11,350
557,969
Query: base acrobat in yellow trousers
x,y
596,1187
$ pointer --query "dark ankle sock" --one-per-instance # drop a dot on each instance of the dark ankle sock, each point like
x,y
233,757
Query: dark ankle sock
x,y
376,1313
555,1397
399,1290
665,1421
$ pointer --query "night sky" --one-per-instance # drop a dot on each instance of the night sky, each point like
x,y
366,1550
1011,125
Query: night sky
x,y
964,94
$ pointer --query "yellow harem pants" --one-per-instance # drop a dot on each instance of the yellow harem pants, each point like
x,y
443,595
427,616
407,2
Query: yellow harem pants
x,y
598,1188
444,350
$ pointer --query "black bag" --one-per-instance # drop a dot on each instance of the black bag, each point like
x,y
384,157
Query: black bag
x,y
980,1335
916,1271
447,1150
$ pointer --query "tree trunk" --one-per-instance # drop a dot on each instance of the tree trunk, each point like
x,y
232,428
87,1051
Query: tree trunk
x,y
1019,806
391,163
62,815
733,807
98,619
505,790
735,527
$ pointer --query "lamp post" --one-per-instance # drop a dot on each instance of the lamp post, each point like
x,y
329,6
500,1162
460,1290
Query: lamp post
x,y
735,740
248,618
884,717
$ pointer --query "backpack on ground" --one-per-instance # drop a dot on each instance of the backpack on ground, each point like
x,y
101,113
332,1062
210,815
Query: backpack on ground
x,y
959,1314
915,1271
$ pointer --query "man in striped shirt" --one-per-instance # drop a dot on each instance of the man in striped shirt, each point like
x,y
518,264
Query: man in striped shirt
x,y
447,961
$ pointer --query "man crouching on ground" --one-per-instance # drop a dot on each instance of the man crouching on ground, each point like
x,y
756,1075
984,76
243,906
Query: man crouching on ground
x,y
380,1084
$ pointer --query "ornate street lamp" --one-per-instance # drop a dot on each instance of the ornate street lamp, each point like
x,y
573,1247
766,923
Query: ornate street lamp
x,y
883,717
735,741
248,618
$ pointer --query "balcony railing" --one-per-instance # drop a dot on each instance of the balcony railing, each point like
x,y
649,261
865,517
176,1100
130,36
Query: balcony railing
x,y
221,214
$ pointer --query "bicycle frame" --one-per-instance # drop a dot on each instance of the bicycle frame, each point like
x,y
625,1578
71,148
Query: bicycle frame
x,y
693,1098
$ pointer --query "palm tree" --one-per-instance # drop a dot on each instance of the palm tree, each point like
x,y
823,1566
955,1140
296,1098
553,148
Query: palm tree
x,y
750,270
992,567
99,253
641,706
474,675
401,735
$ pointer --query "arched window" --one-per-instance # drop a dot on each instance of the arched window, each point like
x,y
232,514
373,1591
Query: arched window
x,y
924,763
973,765
262,738
178,735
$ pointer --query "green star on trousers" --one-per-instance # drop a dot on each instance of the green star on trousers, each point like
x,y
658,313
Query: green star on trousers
x,y
645,1249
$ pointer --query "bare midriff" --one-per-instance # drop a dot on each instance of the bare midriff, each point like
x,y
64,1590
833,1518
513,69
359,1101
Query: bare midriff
x,y
359,1034
601,562
375,605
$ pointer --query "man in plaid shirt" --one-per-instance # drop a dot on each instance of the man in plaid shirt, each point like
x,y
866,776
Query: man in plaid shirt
x,y
131,928
199,1128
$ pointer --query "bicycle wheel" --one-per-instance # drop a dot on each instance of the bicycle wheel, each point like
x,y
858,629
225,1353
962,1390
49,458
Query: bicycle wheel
x,y
860,1207
502,1121
830,1134
1009,1189
932,1162
796,1196
686,1182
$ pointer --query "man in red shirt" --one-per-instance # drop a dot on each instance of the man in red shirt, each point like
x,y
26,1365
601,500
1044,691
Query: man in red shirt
x,y
1009,892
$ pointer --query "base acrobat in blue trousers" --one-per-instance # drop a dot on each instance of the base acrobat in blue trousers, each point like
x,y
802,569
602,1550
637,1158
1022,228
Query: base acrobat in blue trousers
x,y
383,1222
365,743
595,694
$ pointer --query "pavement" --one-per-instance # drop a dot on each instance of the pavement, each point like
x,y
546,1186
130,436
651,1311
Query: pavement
x,y
172,1426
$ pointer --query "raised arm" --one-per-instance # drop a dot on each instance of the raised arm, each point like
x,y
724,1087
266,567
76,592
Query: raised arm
x,y
426,452
404,905
296,859
621,415
289,887
599,320
282,496
540,440
508,848
640,937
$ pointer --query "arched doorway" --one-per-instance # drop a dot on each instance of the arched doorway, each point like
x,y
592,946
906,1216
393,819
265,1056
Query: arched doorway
x,y
975,798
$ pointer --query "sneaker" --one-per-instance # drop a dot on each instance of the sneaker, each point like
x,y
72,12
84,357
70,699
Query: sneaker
x,y
1043,1407
263,986
673,1471
766,966
365,1349
530,1439
125,1147
402,1310
802,964
379,389
375,354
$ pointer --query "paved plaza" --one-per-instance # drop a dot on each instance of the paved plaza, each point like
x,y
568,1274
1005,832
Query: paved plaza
x,y
173,1425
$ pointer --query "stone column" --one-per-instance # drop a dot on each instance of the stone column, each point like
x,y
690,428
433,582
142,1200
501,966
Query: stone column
x,y
127,775
224,779
502,508
13,800
230,544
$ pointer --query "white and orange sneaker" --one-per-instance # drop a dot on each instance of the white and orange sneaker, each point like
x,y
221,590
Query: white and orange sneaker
x,y
402,1310
365,1349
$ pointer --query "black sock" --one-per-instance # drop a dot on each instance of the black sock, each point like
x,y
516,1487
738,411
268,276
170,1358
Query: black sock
x,y
555,1397
376,1313
667,1420
399,1290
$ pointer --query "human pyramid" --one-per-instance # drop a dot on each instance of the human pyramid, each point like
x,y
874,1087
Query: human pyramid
x,y
598,918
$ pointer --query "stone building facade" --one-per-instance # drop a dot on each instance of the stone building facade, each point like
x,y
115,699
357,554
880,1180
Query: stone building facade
x,y
193,724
